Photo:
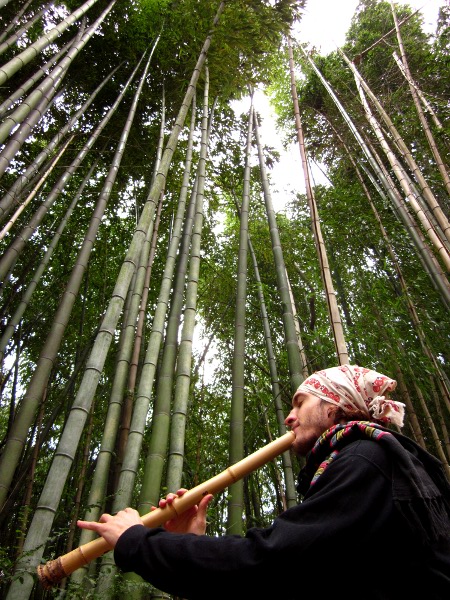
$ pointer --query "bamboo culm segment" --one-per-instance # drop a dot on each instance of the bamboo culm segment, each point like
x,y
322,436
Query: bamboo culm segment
x,y
55,570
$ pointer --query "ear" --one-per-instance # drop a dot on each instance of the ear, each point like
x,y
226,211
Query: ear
x,y
333,413
331,410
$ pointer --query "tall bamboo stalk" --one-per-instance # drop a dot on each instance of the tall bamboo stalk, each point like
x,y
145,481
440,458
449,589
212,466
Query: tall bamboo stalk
x,y
14,38
10,256
33,103
434,434
15,20
20,183
434,149
237,414
31,81
333,309
91,377
291,493
34,191
424,342
290,332
424,101
181,396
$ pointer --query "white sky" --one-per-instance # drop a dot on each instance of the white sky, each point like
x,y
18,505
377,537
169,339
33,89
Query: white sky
x,y
324,25
325,22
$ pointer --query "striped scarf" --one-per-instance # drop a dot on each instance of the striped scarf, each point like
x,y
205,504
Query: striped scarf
x,y
339,436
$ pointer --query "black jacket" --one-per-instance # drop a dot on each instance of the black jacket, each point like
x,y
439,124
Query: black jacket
x,y
346,539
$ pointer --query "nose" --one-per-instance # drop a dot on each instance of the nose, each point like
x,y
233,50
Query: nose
x,y
290,419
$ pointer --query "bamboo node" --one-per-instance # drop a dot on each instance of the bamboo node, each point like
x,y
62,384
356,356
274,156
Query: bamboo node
x,y
50,573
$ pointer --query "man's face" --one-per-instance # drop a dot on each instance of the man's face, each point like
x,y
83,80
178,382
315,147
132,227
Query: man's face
x,y
308,419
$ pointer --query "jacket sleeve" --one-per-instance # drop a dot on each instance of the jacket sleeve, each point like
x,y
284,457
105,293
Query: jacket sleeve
x,y
349,501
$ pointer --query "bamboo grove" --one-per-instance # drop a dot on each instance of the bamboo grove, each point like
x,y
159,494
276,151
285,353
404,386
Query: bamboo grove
x,y
157,312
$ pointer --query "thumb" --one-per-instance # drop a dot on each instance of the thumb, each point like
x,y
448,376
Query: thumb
x,y
203,505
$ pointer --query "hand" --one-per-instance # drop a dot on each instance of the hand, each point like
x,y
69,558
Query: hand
x,y
193,520
111,527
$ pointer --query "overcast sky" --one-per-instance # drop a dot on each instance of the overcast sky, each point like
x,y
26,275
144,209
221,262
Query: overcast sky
x,y
325,22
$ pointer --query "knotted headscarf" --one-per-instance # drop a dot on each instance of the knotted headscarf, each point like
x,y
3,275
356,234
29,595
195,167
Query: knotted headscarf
x,y
355,388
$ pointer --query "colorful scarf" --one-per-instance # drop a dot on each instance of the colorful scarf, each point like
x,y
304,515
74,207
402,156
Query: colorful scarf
x,y
426,509
359,389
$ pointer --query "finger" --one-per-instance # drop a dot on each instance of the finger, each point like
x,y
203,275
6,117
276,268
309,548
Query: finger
x,y
131,510
105,517
181,491
87,525
203,505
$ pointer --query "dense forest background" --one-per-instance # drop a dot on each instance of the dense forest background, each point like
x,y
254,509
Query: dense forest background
x,y
156,312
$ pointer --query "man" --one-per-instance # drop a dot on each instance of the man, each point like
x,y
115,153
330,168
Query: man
x,y
373,523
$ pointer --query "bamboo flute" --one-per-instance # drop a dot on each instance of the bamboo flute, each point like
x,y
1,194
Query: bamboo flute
x,y
55,570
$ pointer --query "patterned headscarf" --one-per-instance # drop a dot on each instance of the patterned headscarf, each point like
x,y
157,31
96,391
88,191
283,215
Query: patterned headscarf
x,y
356,388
